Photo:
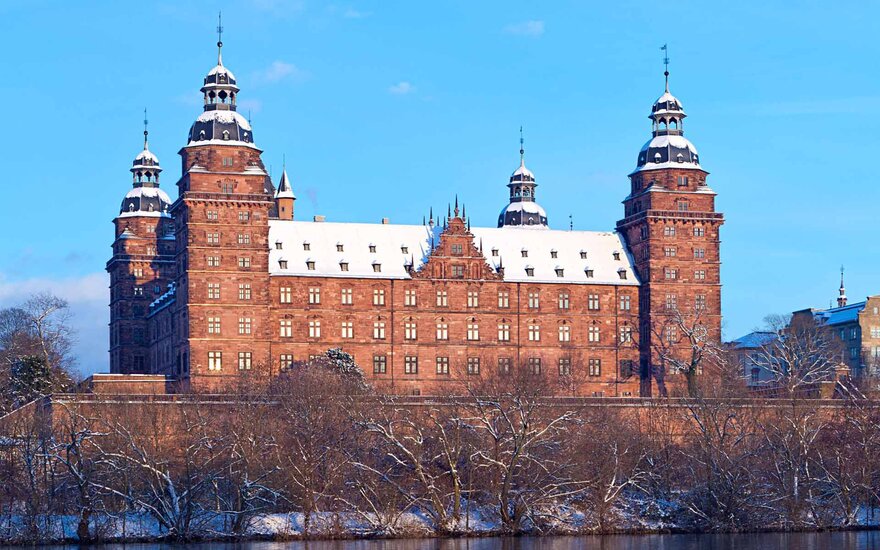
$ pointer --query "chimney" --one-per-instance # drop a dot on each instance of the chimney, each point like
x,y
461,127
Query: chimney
x,y
319,219
385,221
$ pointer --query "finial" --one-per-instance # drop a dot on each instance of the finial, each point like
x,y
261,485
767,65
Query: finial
x,y
249,117
431,214
841,299
145,129
283,162
522,150
456,205
424,221
841,277
463,210
665,49
448,210
570,223
219,37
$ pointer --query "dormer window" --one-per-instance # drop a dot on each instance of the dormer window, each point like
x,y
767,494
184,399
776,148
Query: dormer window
x,y
310,265
657,157
343,266
226,135
559,272
282,264
404,250
530,271
583,254
621,273
307,246
373,248
616,255
279,245
680,157
553,254
377,267
495,252
525,253
588,272
339,247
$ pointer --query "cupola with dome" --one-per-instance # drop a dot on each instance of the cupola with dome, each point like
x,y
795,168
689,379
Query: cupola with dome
x,y
145,197
522,210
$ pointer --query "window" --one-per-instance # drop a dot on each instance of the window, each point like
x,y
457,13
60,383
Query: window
x,y
213,325
700,302
564,333
314,329
669,251
853,333
503,299
373,248
378,297
244,263
411,365
245,359
443,365
340,247
314,295
504,365
670,273
458,271
626,334
682,181
700,275
138,272
307,246
625,303
213,291
530,271
875,332
282,264
138,291
215,360
343,266
560,272
756,375
244,291
244,325
244,216
286,295
503,332
286,328
347,329
593,302
593,334
699,253
346,296
279,245
380,364
244,238
285,360
671,333
379,330
473,330
853,353
404,250
588,272
583,254
525,253
594,366
409,297
669,231
495,252
227,161
681,205
212,215
563,300
310,265
409,330
534,300
553,254
699,231
671,302
457,249
473,365
442,330
534,333
213,261
377,267
473,298
564,366
616,255
442,298
535,365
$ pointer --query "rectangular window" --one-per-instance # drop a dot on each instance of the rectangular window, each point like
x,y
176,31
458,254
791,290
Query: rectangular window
x,y
314,329
213,261
875,332
593,334
669,251
286,328
699,232
378,297
671,333
669,231
442,298
215,360
227,161
473,298
244,291
285,360
212,215
245,325
213,291
534,333
409,330
346,296
504,365
700,302
699,253
379,330
138,291
443,365
213,238
457,271
700,275
625,303
534,300
347,329
473,365
503,299
245,359
671,302
503,332
409,298
682,206
442,331
563,300
244,238
594,366
380,364
535,365
593,302
564,366
138,272
314,295
626,334
670,273
682,181
244,216
286,294
457,249
411,364
564,333
244,263
473,331
213,325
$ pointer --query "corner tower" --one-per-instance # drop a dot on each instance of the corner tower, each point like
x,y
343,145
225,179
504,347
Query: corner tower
x,y
142,264
221,216
672,229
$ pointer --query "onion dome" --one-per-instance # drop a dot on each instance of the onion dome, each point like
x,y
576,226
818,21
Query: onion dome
x,y
668,148
145,199
220,123
522,209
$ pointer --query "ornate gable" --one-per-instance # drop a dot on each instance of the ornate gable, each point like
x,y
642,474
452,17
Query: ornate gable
x,y
457,257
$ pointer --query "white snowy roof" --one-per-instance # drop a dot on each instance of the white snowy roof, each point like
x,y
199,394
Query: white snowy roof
x,y
225,117
146,154
523,171
528,207
221,142
285,191
221,69
665,141
396,244
151,192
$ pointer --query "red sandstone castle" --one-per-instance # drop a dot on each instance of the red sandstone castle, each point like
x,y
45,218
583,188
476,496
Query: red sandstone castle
x,y
223,280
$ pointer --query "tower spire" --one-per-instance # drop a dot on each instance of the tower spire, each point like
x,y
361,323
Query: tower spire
x,y
146,132
665,49
841,299
219,37
522,150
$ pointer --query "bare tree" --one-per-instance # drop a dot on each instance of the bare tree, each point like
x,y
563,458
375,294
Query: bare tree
x,y
804,354
684,345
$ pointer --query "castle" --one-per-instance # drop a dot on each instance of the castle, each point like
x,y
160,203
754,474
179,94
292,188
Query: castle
x,y
224,281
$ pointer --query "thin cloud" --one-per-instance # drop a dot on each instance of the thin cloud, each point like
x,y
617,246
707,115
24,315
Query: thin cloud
x,y
402,88
278,71
352,13
533,28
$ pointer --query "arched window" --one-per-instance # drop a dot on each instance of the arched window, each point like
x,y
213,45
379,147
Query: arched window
x,y
226,135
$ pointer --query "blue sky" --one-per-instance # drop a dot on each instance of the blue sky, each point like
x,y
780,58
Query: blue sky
x,y
384,108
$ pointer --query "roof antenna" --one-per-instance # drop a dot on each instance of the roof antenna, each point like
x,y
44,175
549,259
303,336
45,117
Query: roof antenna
x,y
665,50
145,129
219,37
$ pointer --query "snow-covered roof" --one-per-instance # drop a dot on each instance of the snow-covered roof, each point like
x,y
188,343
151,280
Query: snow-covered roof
x,y
219,68
680,142
146,154
225,117
668,151
235,142
528,207
152,192
285,191
754,340
523,171
315,244
840,315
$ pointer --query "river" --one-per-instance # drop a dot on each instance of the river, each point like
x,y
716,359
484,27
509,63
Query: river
x,y
851,540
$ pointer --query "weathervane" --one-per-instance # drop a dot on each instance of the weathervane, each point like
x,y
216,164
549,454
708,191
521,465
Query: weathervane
x,y
665,50
522,150
219,37
145,128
